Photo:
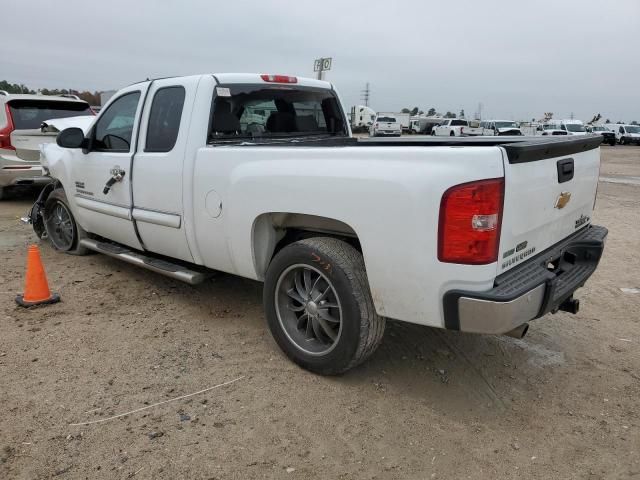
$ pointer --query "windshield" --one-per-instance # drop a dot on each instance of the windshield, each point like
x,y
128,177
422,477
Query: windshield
x,y
632,129
282,111
575,127
599,129
387,119
551,126
506,125
29,114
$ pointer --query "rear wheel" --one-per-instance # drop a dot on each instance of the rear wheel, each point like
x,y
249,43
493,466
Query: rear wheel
x,y
3,193
61,227
319,308
452,134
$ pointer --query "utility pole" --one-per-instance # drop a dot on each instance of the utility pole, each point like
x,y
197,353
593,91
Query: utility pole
x,y
365,94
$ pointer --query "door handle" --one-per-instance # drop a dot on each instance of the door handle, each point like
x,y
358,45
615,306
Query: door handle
x,y
117,174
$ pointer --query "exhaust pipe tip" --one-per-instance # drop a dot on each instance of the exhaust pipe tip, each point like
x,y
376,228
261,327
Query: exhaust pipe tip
x,y
518,332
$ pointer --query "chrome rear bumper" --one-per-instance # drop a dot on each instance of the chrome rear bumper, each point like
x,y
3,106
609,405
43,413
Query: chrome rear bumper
x,y
529,290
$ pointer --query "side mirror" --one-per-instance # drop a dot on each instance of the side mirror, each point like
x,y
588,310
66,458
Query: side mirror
x,y
71,138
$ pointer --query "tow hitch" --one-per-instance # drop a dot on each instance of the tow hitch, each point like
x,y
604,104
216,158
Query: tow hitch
x,y
570,305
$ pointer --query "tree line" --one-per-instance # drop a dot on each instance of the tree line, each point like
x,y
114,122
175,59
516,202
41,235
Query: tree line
x,y
432,112
92,98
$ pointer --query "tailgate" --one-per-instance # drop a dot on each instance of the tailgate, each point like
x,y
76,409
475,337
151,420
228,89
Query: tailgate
x,y
550,189
27,143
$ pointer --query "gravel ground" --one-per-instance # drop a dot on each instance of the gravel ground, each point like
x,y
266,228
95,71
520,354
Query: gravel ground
x,y
562,403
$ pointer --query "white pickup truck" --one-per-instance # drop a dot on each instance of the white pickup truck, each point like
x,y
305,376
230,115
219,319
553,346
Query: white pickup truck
x,y
258,176
456,127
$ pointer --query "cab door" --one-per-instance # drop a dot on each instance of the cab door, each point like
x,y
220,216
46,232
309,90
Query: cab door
x,y
101,174
158,167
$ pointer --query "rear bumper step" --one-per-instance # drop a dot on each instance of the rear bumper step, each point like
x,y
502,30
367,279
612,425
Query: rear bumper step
x,y
531,290
155,264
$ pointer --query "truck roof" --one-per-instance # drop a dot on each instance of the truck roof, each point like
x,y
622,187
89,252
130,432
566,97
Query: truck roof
x,y
252,78
256,78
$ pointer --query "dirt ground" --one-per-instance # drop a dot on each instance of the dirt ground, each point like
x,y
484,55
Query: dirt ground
x,y
562,403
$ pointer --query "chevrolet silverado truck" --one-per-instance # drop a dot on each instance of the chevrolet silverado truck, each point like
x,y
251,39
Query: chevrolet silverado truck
x,y
259,176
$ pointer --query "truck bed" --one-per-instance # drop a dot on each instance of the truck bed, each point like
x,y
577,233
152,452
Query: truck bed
x,y
519,149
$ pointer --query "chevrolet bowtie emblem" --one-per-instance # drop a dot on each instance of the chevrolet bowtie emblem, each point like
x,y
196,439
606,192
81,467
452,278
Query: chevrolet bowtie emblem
x,y
563,199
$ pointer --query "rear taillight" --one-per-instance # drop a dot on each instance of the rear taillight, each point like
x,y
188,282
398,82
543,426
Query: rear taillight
x,y
461,130
5,133
279,78
470,222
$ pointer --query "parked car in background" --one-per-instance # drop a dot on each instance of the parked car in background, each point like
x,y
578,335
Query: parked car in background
x,y
343,232
404,119
608,135
552,128
21,134
569,127
628,134
500,127
455,127
385,125
424,125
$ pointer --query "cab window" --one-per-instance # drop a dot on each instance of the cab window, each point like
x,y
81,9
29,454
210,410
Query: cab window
x,y
164,119
114,128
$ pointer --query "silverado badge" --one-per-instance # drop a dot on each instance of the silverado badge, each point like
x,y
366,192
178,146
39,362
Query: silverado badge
x,y
562,200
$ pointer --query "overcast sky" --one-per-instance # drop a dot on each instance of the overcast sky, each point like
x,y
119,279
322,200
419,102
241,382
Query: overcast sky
x,y
519,58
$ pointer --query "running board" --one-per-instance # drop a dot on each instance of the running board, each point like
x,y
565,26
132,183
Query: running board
x,y
158,265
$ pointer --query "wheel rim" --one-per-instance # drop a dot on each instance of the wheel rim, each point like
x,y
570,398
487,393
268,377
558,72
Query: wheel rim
x,y
308,309
60,227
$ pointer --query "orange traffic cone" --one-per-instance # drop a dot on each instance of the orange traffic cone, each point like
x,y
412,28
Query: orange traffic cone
x,y
36,287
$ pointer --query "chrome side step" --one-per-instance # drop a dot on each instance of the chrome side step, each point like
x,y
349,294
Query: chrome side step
x,y
158,265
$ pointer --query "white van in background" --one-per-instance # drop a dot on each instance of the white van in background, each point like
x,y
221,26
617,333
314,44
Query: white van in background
x,y
626,134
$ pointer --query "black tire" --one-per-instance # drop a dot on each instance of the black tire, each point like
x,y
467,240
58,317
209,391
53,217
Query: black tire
x,y
612,143
3,193
622,141
58,200
452,134
361,328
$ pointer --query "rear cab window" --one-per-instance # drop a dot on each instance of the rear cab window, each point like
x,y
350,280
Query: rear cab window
x,y
459,123
164,119
29,114
387,119
245,112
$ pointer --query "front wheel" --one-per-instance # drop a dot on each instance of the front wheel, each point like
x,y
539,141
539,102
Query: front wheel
x,y
452,134
319,308
62,230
